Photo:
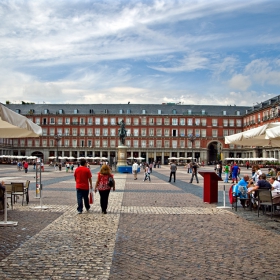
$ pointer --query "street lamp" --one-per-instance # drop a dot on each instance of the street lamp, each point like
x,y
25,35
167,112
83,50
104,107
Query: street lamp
x,y
192,138
57,138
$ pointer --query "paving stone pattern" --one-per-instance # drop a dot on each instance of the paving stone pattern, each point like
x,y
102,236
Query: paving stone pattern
x,y
153,230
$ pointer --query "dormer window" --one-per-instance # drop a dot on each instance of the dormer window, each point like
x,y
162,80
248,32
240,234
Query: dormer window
x,y
76,111
159,112
203,112
46,111
128,111
121,111
143,111
60,111
174,111
106,111
189,112
91,111
18,111
238,113
224,113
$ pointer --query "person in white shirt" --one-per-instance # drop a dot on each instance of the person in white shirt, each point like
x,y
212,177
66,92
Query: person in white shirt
x,y
274,183
134,170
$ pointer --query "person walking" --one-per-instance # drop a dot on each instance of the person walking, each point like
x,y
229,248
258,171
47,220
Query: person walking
x,y
194,172
147,173
134,169
102,185
25,166
83,182
173,169
151,167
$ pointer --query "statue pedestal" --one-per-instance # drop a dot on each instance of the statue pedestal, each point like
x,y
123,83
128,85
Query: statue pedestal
x,y
122,166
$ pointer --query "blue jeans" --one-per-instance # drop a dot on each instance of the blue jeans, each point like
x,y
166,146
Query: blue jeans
x,y
82,195
226,178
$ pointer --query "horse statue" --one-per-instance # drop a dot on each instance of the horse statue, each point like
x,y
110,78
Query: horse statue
x,y
122,132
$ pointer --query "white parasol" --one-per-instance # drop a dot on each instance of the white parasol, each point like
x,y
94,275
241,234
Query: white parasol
x,y
14,125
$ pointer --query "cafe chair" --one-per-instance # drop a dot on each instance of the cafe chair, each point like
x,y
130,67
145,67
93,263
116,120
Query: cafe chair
x,y
265,201
18,190
26,190
9,190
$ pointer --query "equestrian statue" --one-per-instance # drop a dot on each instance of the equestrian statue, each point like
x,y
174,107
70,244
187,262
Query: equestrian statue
x,y
122,132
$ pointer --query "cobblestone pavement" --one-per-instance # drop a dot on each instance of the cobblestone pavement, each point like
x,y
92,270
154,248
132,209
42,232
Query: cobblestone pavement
x,y
153,230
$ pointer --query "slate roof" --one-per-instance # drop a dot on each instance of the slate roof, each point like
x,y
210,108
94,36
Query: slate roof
x,y
134,109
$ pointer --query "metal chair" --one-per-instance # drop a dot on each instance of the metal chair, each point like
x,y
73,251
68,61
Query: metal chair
x,y
17,190
265,200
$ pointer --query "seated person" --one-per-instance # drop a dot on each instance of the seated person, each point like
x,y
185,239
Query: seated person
x,y
261,184
240,189
274,183
270,172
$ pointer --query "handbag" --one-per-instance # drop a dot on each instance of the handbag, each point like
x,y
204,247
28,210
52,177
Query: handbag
x,y
110,182
90,197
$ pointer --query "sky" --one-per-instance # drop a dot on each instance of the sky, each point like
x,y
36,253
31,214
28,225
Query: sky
x,y
142,52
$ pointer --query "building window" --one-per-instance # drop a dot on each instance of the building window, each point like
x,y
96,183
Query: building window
x,y
128,132
52,132
128,143
197,144
18,111
97,121
203,132
166,132
225,122
74,131
67,120
105,143
182,144
82,121
143,132
37,121
214,122
128,121
121,111
135,132
182,132
76,111
166,121
143,111
166,144
113,143
113,132
182,122
97,132
174,112
159,112
239,123
197,121
151,143
128,111
82,132
52,121
151,121
237,113
197,132
89,131
202,112
214,133
135,121
158,144
231,131
89,144
224,113
159,131
174,144
190,121
59,121
143,143
90,121
105,131
203,122
151,132
46,111
105,121
97,143
44,131
231,122
135,143
174,121
225,132
143,121
113,121
159,121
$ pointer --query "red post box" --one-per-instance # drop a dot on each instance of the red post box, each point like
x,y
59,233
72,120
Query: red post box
x,y
210,193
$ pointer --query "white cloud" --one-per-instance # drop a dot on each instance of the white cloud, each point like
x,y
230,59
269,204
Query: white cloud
x,y
240,82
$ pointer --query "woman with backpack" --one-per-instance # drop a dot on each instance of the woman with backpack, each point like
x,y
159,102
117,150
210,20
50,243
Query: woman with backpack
x,y
147,173
105,181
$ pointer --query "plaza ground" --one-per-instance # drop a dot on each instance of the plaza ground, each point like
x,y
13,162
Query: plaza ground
x,y
153,230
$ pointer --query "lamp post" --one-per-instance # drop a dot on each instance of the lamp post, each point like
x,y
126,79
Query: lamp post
x,y
192,138
57,138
